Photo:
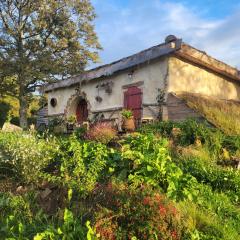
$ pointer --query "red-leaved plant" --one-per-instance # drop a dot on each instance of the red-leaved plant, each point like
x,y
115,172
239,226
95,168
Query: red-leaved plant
x,y
102,132
124,213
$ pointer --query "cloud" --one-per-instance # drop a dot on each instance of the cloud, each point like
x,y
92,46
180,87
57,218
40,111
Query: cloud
x,y
124,29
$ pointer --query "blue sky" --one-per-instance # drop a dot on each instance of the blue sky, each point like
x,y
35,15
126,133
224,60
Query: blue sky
x,y
128,26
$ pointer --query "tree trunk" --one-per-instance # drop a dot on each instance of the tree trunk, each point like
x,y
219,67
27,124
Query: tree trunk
x,y
23,109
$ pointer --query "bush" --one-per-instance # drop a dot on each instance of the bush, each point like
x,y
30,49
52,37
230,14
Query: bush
x,y
126,213
149,162
220,179
27,155
19,221
82,164
190,131
102,132
80,132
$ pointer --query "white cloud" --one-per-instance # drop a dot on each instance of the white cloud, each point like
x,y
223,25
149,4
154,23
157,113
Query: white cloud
x,y
144,23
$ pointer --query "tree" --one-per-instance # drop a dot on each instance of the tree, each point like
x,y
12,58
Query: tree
x,y
43,41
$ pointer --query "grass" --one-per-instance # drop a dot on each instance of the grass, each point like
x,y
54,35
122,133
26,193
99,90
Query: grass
x,y
224,114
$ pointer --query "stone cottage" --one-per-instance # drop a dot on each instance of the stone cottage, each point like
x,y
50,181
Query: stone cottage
x,y
135,83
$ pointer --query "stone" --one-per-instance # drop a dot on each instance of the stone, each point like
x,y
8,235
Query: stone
x,y
45,193
21,190
238,166
8,127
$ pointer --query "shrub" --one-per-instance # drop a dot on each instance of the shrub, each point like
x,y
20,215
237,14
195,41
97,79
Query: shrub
x,y
150,163
80,132
202,223
190,132
19,221
27,155
220,179
141,213
82,164
164,128
102,132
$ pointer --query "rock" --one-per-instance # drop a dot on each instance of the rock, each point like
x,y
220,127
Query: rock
x,y
8,127
21,190
45,193
45,184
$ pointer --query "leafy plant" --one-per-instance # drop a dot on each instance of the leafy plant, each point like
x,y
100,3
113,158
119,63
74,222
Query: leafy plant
x,y
127,113
27,155
72,119
127,213
80,132
82,164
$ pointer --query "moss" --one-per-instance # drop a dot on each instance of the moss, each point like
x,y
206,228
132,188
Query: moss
x,y
224,114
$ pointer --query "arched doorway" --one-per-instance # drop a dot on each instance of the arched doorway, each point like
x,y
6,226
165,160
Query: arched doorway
x,y
82,111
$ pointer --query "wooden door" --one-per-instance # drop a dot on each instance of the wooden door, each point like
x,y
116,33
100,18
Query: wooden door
x,y
133,101
82,111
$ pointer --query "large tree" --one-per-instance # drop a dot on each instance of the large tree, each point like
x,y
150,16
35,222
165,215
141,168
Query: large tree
x,y
44,40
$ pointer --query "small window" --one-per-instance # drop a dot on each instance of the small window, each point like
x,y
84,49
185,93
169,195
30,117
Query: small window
x,y
53,102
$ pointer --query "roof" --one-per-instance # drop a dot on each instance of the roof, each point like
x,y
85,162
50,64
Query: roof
x,y
172,46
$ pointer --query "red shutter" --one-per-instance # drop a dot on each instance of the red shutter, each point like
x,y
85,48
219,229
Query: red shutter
x,y
133,101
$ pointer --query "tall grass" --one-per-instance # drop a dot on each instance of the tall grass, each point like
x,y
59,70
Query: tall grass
x,y
224,114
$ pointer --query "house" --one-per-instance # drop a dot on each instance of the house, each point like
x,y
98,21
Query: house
x,y
42,119
135,83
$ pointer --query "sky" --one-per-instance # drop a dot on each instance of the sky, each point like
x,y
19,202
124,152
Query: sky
x,y
125,27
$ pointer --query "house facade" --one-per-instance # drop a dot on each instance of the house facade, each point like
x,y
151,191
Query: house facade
x,y
135,82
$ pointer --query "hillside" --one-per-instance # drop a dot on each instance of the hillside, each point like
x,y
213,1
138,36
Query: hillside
x,y
169,181
221,113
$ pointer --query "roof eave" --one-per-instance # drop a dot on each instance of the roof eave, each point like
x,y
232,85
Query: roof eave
x,y
123,64
202,59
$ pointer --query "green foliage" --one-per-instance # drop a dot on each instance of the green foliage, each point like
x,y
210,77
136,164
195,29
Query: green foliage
x,y
27,155
127,113
191,131
221,113
51,39
220,179
72,119
8,109
151,164
126,213
125,192
19,221
4,108
81,164
80,132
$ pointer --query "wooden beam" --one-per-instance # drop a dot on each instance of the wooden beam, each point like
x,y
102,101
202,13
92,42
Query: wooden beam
x,y
108,110
136,84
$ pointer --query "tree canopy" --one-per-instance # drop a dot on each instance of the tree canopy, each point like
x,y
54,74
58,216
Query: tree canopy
x,y
42,41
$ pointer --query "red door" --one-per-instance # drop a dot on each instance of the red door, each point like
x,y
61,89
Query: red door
x,y
82,111
133,101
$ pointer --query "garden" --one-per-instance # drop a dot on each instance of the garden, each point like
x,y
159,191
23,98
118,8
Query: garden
x,y
165,181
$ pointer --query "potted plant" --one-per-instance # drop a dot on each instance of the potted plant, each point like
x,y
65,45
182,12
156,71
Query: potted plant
x,y
71,121
128,120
